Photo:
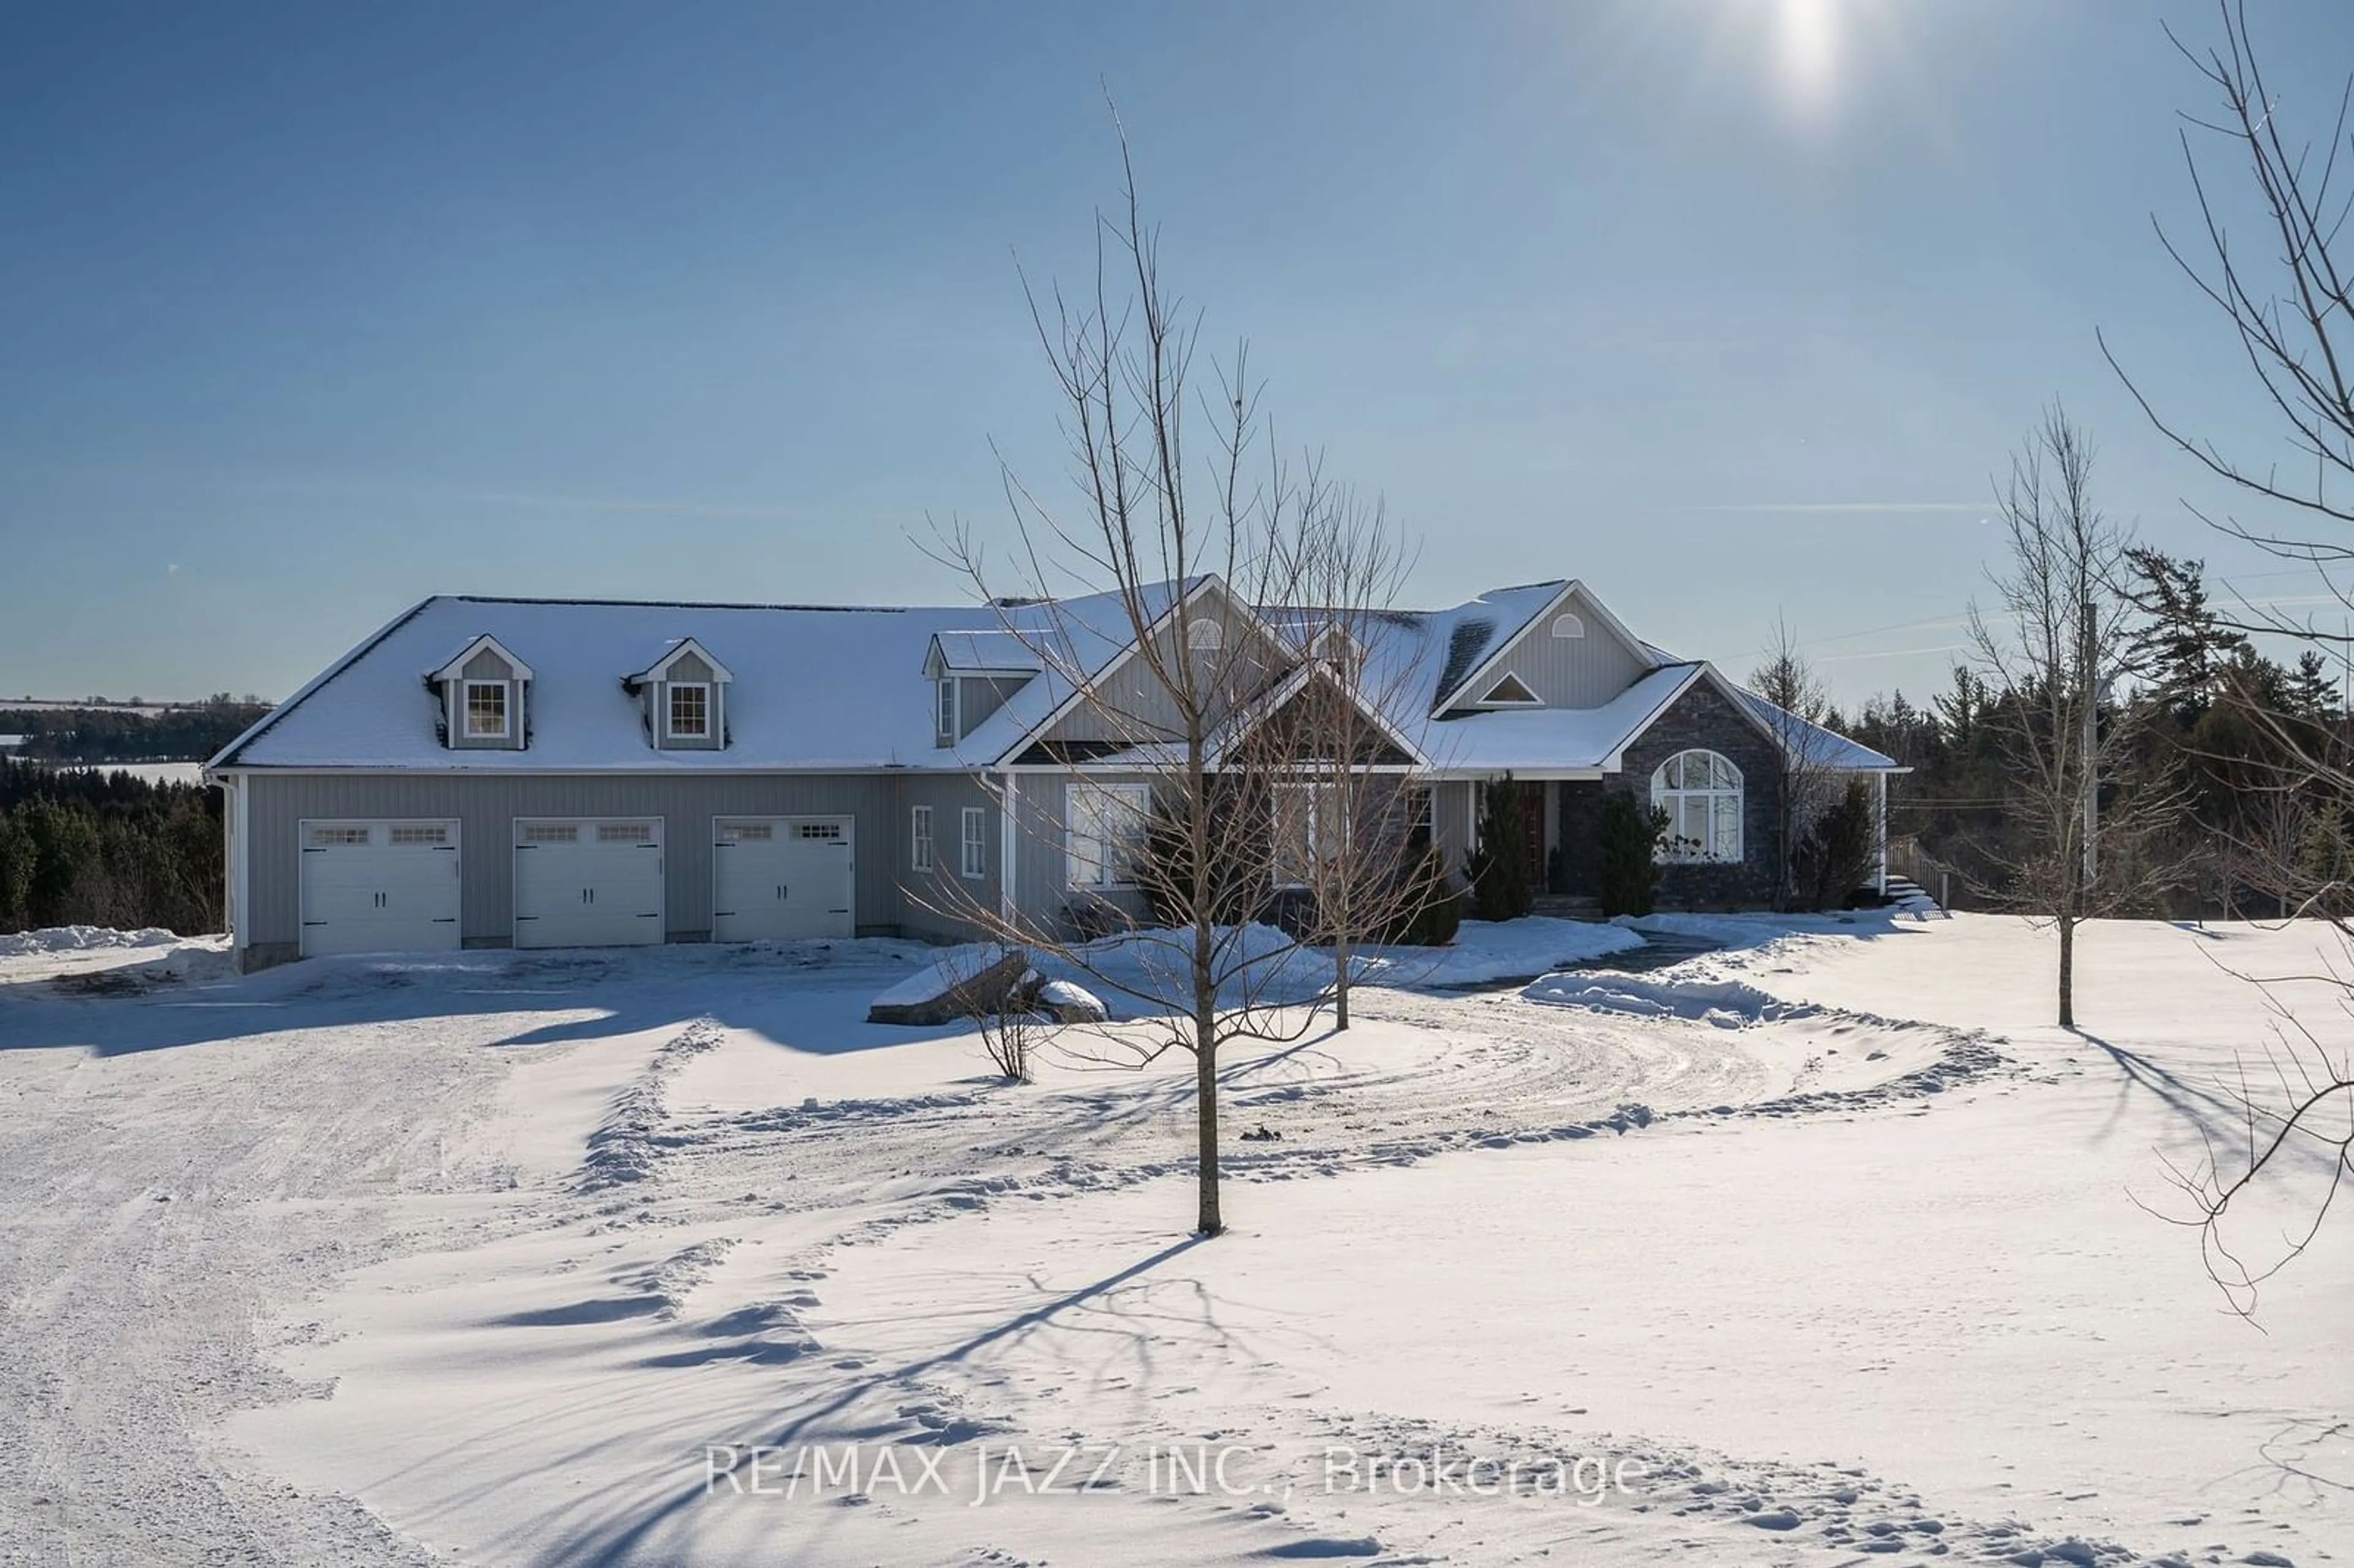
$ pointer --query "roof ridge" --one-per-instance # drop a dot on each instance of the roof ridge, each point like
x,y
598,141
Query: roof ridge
x,y
691,604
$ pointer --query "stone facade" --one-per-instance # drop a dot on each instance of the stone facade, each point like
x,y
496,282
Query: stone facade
x,y
1702,717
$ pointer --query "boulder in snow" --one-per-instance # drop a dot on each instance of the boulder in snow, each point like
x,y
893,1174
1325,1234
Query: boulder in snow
x,y
1068,1004
968,981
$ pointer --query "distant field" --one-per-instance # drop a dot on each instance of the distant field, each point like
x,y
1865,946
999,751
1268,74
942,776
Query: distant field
x,y
148,772
46,704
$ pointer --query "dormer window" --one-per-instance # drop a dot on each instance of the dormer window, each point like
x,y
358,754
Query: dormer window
x,y
486,710
684,695
690,710
945,710
485,695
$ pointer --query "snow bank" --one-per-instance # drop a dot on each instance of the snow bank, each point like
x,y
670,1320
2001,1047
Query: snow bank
x,y
954,968
1758,930
1727,1003
1488,950
75,938
1153,969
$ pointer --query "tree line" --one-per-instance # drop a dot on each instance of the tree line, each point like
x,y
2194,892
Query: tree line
x,y
92,735
2198,719
88,847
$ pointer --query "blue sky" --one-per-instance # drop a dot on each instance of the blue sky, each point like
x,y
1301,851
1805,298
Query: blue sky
x,y
1730,307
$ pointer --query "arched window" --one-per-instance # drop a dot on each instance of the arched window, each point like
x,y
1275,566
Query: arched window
x,y
1568,626
1700,793
1203,635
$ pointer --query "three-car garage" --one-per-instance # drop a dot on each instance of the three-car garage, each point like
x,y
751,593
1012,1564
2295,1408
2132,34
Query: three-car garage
x,y
400,884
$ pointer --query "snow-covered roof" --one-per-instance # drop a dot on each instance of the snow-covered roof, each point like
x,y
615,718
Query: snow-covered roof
x,y
815,688
1821,749
996,652
826,689
1538,740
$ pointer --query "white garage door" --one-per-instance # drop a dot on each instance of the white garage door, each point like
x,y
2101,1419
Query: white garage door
x,y
379,887
588,883
774,878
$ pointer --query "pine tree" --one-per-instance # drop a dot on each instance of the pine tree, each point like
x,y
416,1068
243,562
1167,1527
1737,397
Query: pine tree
x,y
2312,693
2182,650
1498,867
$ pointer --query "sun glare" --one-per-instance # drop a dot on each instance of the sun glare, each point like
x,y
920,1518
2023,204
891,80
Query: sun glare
x,y
1807,51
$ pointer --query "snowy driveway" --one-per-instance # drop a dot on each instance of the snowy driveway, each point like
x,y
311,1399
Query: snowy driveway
x,y
369,1263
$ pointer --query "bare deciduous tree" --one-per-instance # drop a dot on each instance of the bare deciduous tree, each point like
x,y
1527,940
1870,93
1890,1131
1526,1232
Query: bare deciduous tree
x,y
1172,755
1345,817
2290,306
2089,810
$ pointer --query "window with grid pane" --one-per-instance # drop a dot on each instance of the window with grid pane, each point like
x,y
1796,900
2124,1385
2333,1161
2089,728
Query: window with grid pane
x,y
1104,835
690,710
976,842
919,844
944,719
1307,831
486,709
1700,793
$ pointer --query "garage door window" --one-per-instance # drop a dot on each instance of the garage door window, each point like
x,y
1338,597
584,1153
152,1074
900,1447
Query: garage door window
x,y
330,838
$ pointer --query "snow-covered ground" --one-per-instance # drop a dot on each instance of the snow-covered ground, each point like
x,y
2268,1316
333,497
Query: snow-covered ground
x,y
1819,1249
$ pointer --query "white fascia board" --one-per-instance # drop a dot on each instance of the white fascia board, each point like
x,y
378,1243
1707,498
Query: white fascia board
x,y
1291,686
1552,606
1447,700
254,731
660,669
455,668
1617,761
1112,666
1609,619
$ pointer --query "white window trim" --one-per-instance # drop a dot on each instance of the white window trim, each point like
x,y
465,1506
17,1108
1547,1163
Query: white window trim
x,y
1309,818
1205,634
1568,623
1494,702
1737,794
920,837
948,703
1078,790
466,690
710,690
973,842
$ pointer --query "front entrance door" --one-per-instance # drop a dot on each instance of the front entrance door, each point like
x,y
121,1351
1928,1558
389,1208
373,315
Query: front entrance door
x,y
1533,833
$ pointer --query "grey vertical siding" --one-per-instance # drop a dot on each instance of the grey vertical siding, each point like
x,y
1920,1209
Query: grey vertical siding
x,y
978,696
927,904
1451,806
486,805
1133,704
1568,671
1042,884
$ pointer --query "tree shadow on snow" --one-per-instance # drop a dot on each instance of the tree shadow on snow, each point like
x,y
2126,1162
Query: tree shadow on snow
x,y
794,1005
2210,1113
622,1542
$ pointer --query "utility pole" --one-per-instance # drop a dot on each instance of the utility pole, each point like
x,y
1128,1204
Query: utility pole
x,y
2088,685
